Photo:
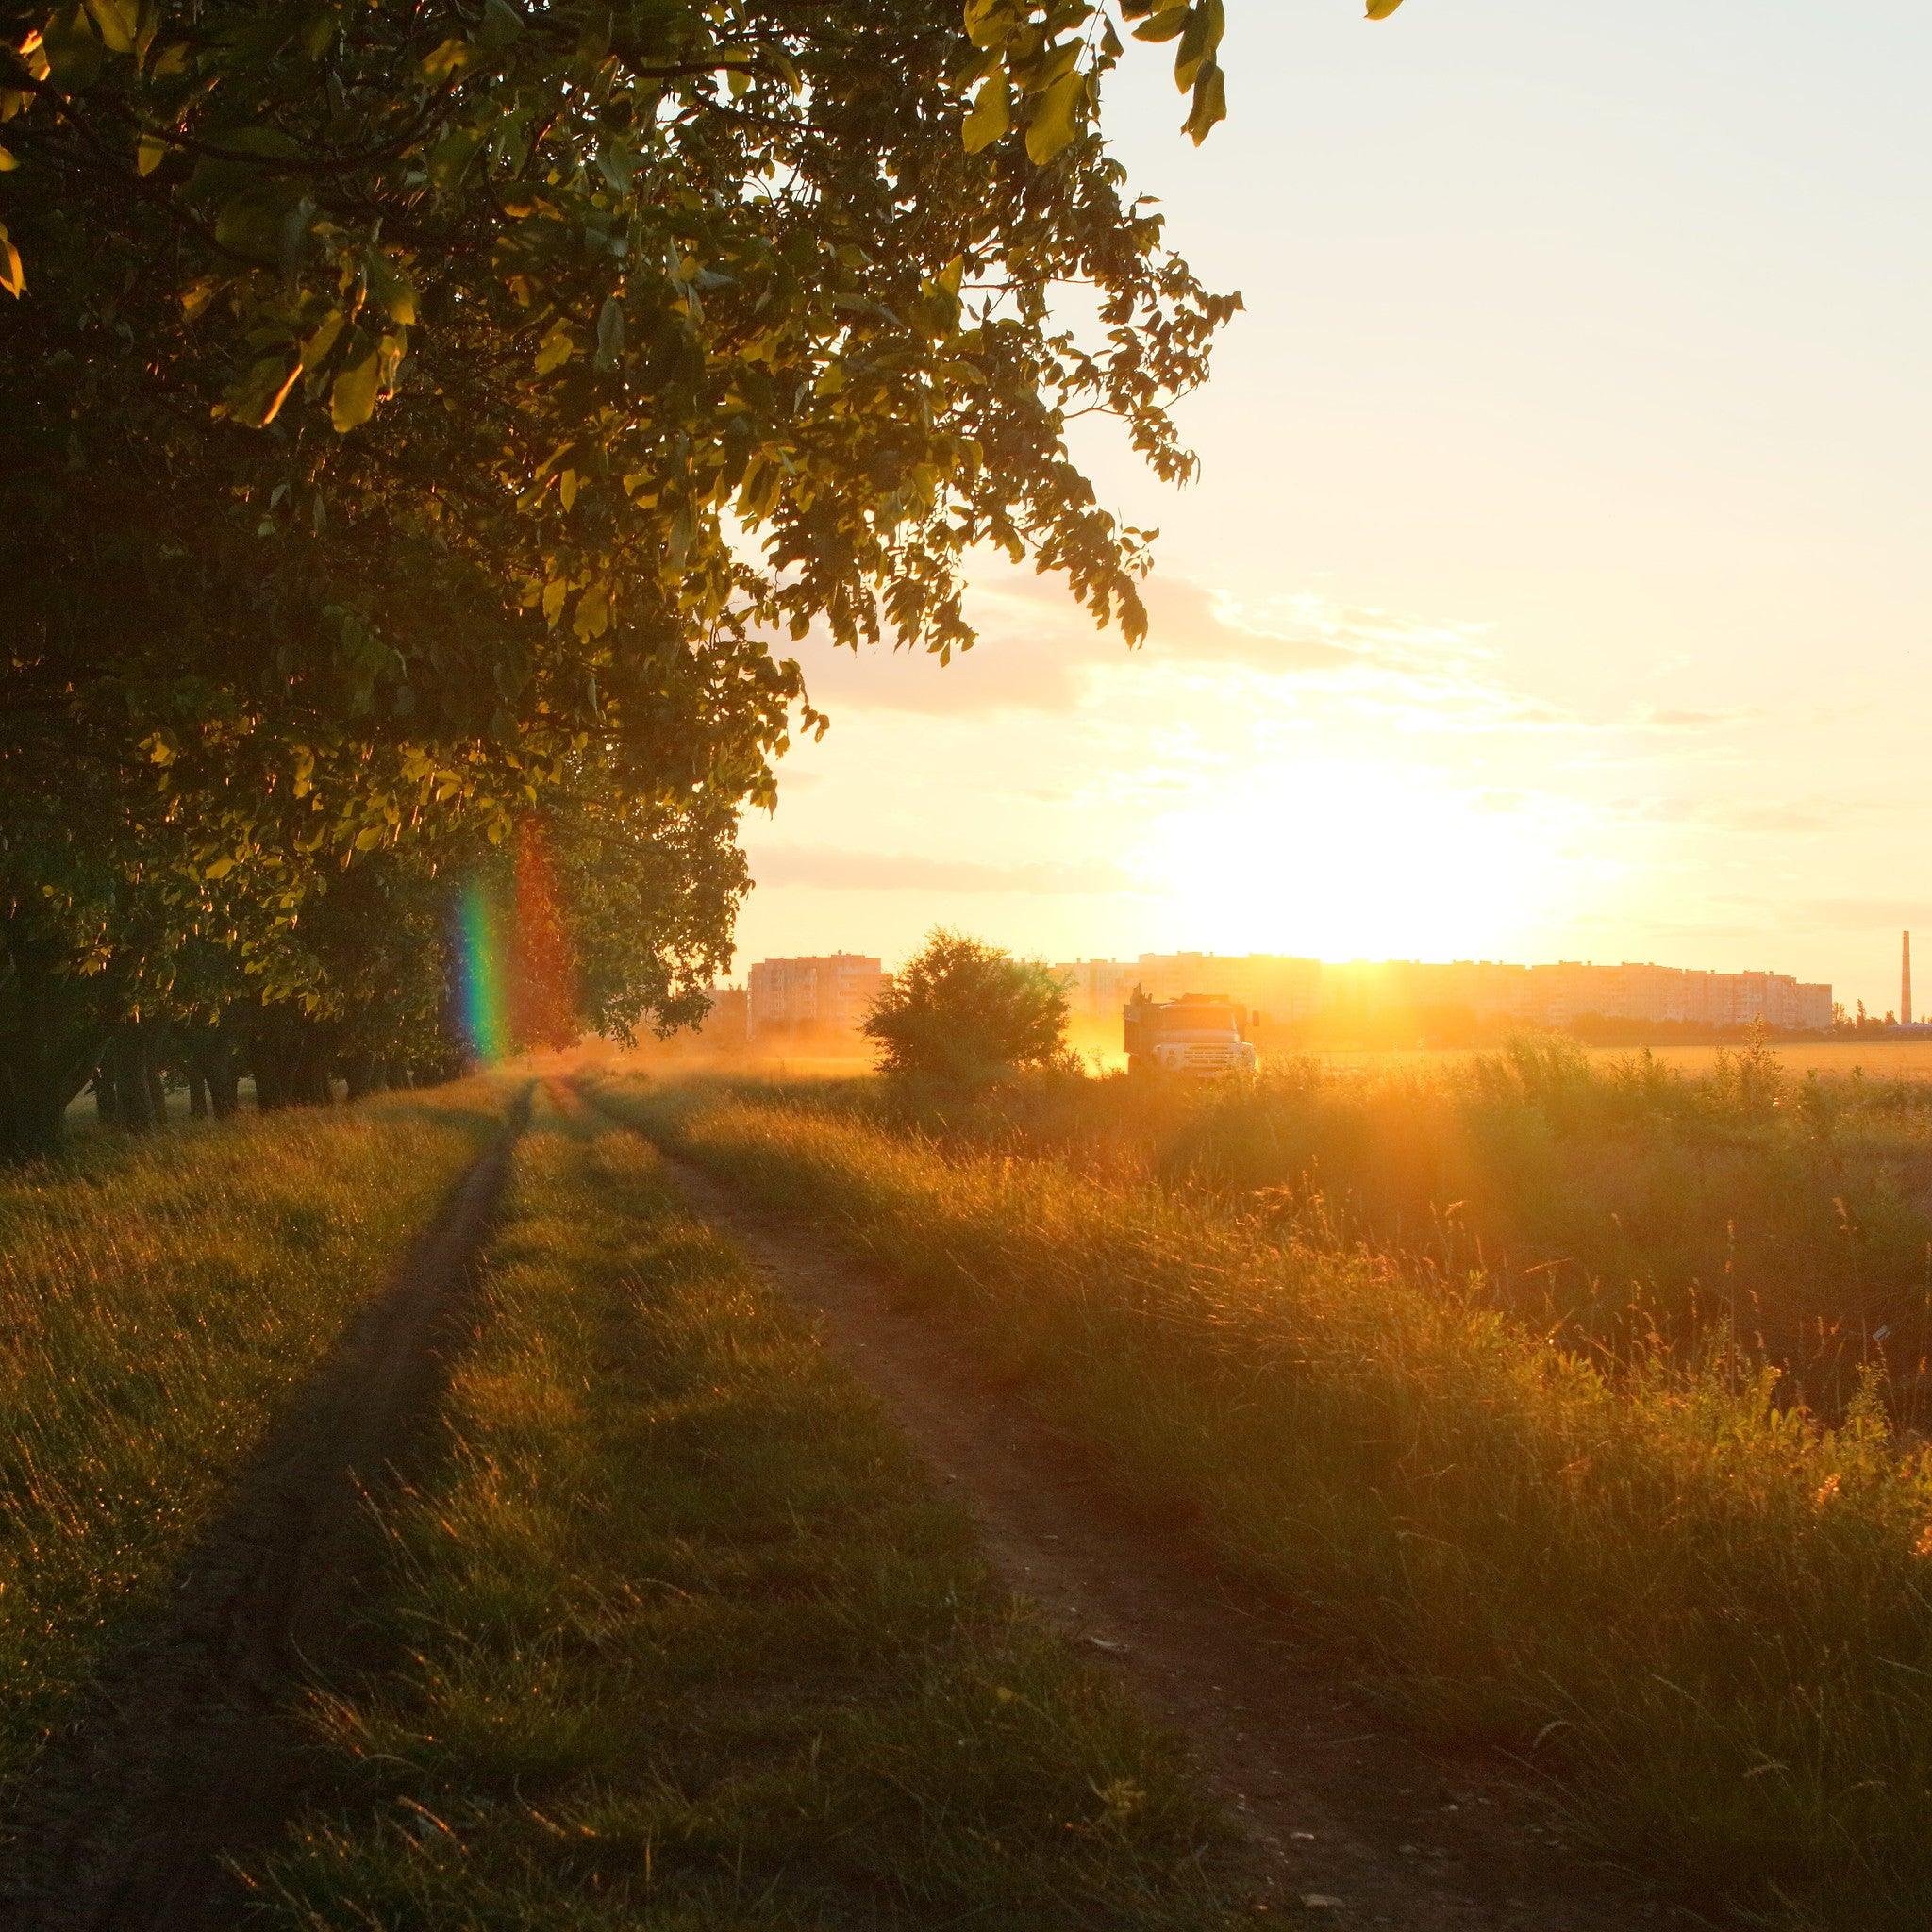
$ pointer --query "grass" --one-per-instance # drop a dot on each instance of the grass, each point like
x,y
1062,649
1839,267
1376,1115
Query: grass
x,y
157,1299
1609,1198
1705,1616
685,1639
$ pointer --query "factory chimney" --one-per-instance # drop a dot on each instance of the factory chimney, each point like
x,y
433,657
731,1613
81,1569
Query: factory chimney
x,y
1905,981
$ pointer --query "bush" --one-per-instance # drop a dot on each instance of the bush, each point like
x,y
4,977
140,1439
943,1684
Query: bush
x,y
968,1013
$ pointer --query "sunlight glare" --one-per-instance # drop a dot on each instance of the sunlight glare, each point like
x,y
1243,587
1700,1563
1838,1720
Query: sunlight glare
x,y
1340,859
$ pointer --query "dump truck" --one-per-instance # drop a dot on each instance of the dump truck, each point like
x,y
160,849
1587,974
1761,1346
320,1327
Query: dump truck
x,y
1203,1035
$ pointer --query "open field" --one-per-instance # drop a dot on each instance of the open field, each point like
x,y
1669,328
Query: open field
x,y
1706,1614
159,1300
1874,1058
1612,1199
663,1622
690,1640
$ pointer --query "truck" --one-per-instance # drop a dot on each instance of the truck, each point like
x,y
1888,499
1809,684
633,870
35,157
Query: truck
x,y
1201,1035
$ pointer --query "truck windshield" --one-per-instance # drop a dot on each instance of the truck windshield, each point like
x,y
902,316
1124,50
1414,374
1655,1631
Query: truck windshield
x,y
1200,1019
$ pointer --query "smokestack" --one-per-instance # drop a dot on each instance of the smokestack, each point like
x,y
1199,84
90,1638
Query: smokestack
x,y
1905,981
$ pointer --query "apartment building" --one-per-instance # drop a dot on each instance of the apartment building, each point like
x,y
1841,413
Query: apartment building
x,y
1270,984
831,994
1284,989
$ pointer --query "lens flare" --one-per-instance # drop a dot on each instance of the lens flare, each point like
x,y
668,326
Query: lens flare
x,y
514,983
480,968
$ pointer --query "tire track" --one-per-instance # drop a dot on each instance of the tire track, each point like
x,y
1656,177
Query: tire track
x,y
187,1758
1348,1821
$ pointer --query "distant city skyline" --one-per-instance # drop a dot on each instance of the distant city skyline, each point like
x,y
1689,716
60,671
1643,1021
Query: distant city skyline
x,y
1839,992
1559,569
833,991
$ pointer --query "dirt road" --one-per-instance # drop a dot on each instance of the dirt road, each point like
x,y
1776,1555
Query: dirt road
x,y
1348,1823
185,1758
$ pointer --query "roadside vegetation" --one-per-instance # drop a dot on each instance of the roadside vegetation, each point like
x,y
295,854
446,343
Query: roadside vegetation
x,y
685,1638
159,1300
1703,1613
1620,1202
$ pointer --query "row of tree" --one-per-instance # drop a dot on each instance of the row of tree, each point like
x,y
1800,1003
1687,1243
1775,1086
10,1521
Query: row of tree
x,y
422,422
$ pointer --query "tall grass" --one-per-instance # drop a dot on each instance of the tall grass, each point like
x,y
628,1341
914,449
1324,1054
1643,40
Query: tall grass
x,y
156,1299
684,1639
1707,1617
1609,1198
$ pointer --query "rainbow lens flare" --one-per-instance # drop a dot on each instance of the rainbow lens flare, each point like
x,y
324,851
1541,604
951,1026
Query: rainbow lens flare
x,y
480,965
516,987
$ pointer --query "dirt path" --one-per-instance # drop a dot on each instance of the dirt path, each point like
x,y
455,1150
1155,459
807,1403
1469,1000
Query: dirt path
x,y
1349,1823
185,1760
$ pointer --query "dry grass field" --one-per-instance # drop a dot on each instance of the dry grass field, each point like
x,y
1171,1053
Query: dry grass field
x,y
1613,1537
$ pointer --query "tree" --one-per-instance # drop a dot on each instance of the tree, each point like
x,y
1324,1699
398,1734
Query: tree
x,y
964,1012
411,408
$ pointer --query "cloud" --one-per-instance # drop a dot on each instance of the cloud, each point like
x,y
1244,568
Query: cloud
x,y
839,869
1776,817
1040,653
1037,647
1001,673
1664,718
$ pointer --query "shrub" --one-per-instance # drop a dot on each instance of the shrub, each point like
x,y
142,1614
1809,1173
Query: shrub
x,y
968,1013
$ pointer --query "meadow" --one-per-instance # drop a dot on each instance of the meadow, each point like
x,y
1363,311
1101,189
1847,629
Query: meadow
x,y
685,1638
1616,1199
1626,1552
159,1298
659,1619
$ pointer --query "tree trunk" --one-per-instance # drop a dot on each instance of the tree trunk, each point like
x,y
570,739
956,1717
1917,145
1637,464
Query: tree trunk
x,y
50,1041
151,1072
224,1080
124,1065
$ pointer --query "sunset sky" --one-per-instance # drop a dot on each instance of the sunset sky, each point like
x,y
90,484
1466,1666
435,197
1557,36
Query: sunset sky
x,y
1557,580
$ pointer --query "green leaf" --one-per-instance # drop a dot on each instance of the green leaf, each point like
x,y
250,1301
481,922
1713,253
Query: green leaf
x,y
448,60
1209,103
319,34
323,339
1054,122
352,397
556,349
990,23
609,332
220,868
1381,9
592,617
13,275
367,837
257,222
150,151
502,23
1164,23
389,288
119,21
991,113
1200,38
73,47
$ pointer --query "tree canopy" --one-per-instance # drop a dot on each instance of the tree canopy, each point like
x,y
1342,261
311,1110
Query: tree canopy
x,y
417,412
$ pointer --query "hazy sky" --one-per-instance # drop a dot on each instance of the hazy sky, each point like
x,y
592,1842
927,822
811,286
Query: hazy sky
x,y
1558,580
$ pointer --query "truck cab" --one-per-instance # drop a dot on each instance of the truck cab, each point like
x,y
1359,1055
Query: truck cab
x,y
1203,1035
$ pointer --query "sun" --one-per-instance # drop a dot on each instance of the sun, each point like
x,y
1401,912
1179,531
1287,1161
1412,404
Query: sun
x,y
1338,859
